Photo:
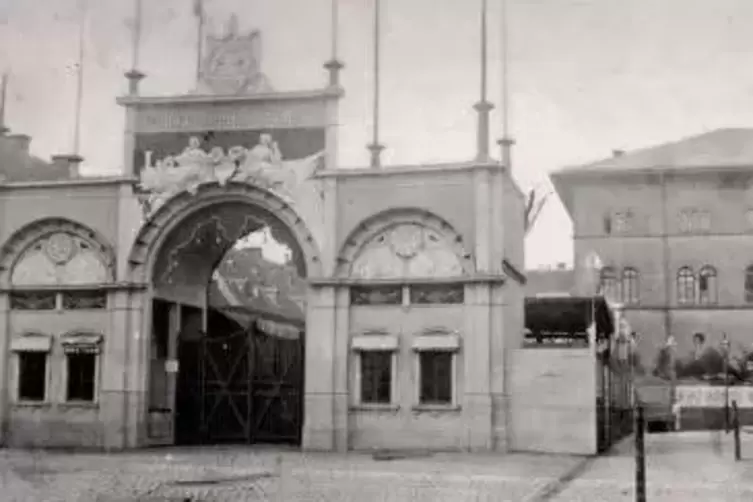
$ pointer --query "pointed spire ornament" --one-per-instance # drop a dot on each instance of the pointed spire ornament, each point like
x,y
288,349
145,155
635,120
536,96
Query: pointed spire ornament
x,y
506,142
133,75
3,103
334,65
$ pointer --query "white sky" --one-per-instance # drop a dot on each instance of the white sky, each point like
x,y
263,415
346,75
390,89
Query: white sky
x,y
587,76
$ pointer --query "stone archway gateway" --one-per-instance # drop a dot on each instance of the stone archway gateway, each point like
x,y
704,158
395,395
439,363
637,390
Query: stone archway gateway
x,y
221,373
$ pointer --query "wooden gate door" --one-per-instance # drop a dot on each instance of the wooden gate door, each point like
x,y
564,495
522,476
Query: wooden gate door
x,y
277,397
226,389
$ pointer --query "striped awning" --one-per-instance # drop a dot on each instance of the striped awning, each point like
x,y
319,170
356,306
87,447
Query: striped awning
x,y
282,330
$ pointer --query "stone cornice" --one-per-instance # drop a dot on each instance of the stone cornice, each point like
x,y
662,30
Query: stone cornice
x,y
73,182
326,93
408,170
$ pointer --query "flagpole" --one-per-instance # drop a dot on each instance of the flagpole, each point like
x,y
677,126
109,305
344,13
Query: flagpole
x,y
3,103
133,75
83,6
334,65
506,142
199,13
375,147
483,107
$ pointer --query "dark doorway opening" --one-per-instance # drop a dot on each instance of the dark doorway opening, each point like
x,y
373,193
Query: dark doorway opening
x,y
238,384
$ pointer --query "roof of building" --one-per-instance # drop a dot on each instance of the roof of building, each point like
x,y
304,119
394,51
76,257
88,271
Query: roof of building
x,y
17,164
721,148
549,282
247,282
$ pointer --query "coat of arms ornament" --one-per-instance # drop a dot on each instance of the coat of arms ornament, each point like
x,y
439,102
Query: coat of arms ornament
x,y
232,64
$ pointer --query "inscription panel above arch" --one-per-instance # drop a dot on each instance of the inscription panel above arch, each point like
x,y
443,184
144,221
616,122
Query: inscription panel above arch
x,y
404,243
56,252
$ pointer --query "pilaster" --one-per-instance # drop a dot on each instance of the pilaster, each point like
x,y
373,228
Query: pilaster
x,y
483,220
5,334
477,404
341,390
320,367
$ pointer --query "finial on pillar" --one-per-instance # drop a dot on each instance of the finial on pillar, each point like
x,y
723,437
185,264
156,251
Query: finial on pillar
x,y
376,155
505,145
134,78
334,67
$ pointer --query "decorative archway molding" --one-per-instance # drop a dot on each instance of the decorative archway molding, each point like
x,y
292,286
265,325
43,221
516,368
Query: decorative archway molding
x,y
374,226
160,225
22,240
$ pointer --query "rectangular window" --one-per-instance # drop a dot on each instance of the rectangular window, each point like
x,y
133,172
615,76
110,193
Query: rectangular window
x,y
376,295
436,377
33,300
84,300
82,370
32,376
437,294
376,376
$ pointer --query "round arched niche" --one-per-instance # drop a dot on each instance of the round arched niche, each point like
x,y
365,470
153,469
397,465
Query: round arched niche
x,y
226,212
404,243
56,252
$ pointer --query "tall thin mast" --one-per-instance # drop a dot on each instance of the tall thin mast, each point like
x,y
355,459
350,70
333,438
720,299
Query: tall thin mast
x,y
506,142
483,107
198,11
3,103
375,147
133,75
334,65
83,7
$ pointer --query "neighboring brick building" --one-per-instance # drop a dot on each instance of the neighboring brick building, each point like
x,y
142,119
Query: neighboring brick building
x,y
673,226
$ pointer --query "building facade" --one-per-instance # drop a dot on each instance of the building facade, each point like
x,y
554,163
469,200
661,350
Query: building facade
x,y
672,227
413,303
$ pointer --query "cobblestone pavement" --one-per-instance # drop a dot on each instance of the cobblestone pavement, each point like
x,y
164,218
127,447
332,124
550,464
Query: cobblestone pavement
x,y
251,475
684,467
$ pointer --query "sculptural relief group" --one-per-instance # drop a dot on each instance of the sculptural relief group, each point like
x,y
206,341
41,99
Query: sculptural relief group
x,y
261,165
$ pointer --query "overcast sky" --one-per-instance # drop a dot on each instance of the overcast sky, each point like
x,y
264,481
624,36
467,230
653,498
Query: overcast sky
x,y
587,76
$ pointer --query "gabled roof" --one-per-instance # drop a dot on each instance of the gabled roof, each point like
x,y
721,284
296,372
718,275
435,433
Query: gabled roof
x,y
721,148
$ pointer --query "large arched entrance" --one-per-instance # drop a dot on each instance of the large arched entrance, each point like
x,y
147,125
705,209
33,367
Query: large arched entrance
x,y
225,314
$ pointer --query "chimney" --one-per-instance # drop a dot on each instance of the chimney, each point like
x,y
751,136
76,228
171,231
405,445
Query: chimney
x,y
69,162
618,153
19,142
561,266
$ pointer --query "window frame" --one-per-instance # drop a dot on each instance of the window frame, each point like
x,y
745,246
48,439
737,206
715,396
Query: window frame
x,y
686,281
76,343
374,342
711,276
748,284
444,342
30,343
632,277
610,274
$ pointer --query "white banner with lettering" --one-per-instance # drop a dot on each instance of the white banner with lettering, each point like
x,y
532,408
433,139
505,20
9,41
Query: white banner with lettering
x,y
707,396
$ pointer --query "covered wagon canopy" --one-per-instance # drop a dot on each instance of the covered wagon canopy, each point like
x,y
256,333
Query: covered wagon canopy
x,y
568,316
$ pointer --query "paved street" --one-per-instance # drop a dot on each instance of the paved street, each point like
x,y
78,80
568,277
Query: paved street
x,y
252,474
683,467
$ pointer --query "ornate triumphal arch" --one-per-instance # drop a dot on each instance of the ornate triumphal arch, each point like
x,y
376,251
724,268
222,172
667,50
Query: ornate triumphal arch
x,y
411,297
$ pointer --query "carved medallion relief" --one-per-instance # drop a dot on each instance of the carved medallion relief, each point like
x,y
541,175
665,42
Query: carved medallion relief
x,y
60,258
407,250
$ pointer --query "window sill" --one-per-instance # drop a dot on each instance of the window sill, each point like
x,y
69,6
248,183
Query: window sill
x,y
79,405
425,408
32,404
375,407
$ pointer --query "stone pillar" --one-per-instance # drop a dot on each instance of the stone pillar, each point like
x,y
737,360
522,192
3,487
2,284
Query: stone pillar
x,y
115,360
175,321
137,369
319,419
340,383
498,350
477,406
5,334
129,142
